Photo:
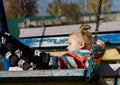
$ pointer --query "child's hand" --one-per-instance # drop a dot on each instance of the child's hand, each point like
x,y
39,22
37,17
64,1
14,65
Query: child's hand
x,y
101,43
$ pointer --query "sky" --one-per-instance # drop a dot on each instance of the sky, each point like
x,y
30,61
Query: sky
x,y
115,5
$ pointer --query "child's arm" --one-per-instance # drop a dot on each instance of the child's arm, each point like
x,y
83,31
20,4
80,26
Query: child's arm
x,y
100,43
95,57
99,51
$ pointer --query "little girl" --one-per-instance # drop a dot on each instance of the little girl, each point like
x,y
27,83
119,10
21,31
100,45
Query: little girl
x,y
79,52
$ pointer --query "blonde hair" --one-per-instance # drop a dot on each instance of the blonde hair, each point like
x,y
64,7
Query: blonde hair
x,y
85,35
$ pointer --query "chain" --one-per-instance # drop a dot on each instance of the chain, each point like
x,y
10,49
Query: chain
x,y
43,33
25,24
98,20
25,8
25,12
90,70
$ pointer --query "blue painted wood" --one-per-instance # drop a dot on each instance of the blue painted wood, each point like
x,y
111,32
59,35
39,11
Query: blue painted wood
x,y
109,39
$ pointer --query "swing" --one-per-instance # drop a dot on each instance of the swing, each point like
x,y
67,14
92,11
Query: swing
x,y
73,76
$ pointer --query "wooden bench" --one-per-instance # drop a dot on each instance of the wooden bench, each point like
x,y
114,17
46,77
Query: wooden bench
x,y
65,77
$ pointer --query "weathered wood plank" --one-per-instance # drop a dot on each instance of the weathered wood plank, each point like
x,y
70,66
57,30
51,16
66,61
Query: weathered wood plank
x,y
43,75
67,29
64,77
104,70
111,55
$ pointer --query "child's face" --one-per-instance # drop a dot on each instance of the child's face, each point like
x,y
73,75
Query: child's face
x,y
74,43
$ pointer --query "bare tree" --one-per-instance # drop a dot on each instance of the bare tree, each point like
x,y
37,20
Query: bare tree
x,y
106,5
19,8
70,10
29,7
